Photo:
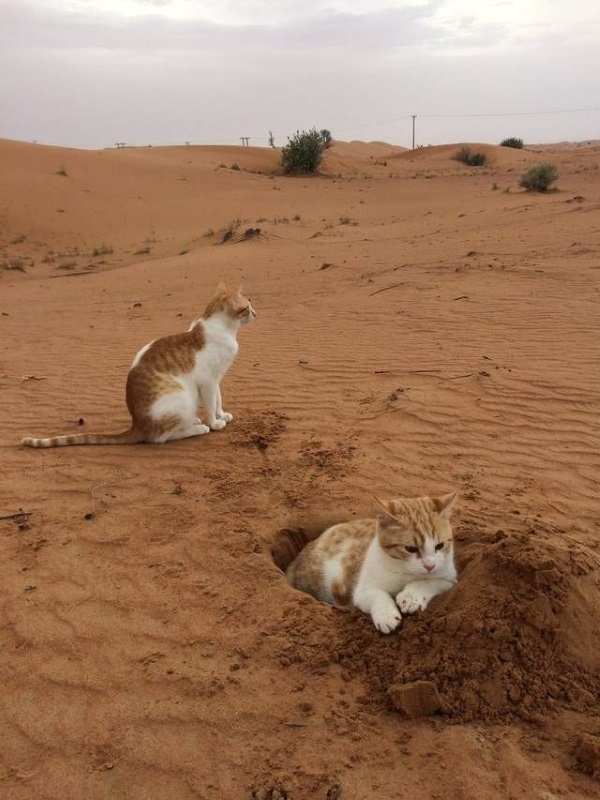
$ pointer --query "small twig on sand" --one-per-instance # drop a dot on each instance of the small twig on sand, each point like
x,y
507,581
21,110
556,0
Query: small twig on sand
x,y
71,274
32,378
385,288
419,371
456,377
461,297
382,372
18,515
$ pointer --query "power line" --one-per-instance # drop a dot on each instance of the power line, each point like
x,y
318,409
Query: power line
x,y
510,114
469,116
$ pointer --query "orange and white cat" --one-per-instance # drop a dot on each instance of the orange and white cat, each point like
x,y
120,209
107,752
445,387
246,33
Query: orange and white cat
x,y
388,566
172,376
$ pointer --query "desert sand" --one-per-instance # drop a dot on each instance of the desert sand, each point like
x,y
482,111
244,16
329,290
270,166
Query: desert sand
x,y
422,326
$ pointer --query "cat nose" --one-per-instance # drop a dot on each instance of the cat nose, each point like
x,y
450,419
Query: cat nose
x,y
429,567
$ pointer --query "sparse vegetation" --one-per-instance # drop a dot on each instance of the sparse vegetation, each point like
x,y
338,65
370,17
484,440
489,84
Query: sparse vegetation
x,y
296,217
304,151
62,171
102,250
67,265
469,157
236,167
143,251
539,178
494,186
512,141
19,239
326,138
208,233
16,264
345,220
230,230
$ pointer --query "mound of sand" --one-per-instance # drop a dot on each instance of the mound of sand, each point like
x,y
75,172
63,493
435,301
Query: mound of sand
x,y
516,637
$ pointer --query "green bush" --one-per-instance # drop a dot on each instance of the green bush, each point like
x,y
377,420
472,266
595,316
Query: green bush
x,y
539,178
304,151
326,137
466,156
512,141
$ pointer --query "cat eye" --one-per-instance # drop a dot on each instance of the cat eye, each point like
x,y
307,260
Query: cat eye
x,y
411,548
439,546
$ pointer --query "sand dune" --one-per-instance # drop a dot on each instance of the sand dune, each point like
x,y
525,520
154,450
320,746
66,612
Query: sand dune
x,y
421,326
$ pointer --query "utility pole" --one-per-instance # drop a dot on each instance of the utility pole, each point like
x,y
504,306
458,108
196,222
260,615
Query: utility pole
x,y
414,116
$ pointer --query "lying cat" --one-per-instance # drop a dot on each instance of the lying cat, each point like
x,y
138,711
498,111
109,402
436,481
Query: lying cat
x,y
388,566
172,376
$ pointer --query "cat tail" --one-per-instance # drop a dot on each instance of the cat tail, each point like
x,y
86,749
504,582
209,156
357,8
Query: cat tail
x,y
289,541
127,437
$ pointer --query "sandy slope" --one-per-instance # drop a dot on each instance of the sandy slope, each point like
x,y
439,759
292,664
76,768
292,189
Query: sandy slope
x,y
417,330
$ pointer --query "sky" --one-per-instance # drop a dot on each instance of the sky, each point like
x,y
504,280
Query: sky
x,y
90,73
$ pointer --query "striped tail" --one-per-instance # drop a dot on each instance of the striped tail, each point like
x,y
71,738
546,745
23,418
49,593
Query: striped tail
x,y
127,437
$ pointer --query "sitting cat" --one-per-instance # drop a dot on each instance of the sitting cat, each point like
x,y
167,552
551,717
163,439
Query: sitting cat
x,y
172,376
388,566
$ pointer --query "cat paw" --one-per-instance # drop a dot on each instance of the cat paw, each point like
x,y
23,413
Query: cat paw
x,y
226,416
411,600
386,619
200,428
217,425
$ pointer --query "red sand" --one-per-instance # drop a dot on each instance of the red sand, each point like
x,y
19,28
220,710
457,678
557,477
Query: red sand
x,y
418,330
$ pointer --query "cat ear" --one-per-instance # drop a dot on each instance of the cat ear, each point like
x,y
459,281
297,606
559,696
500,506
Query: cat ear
x,y
383,505
222,288
385,521
445,503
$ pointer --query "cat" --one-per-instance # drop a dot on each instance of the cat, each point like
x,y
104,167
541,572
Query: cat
x,y
170,377
388,566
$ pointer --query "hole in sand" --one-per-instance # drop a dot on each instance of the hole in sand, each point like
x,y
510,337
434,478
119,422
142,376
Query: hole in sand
x,y
516,637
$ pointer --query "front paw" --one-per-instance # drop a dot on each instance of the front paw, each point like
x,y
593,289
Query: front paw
x,y
386,618
410,600
217,424
225,415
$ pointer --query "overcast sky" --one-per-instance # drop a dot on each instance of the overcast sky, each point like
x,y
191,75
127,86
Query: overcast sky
x,y
89,73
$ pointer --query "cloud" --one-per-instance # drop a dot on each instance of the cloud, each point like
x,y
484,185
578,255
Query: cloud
x,y
91,72
32,26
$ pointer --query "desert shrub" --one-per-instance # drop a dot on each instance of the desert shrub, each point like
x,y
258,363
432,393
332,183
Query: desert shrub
x,y
467,156
512,141
14,264
229,232
304,151
326,138
539,178
102,250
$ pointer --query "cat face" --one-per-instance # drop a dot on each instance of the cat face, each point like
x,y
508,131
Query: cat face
x,y
417,532
242,308
233,304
